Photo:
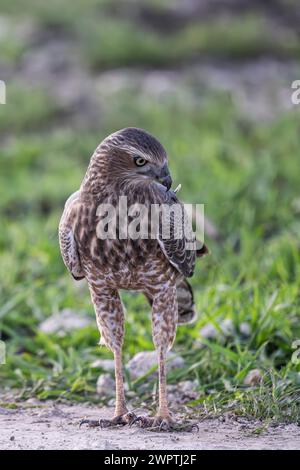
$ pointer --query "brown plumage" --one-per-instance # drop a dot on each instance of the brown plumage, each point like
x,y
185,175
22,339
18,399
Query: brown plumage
x,y
130,163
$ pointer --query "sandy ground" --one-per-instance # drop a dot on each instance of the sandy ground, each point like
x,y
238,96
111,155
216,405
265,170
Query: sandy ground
x,y
56,427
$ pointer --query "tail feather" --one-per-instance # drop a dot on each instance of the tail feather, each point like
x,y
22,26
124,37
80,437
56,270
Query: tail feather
x,y
186,307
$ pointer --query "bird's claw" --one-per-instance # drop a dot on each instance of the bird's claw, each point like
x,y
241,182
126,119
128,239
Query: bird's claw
x,y
136,420
159,423
92,423
120,420
128,418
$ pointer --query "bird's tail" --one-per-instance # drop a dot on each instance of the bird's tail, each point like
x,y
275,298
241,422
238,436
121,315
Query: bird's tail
x,y
185,298
186,307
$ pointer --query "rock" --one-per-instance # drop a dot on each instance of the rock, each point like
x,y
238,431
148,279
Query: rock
x,y
209,331
188,386
245,329
143,361
227,327
253,378
183,392
33,401
107,365
105,385
66,320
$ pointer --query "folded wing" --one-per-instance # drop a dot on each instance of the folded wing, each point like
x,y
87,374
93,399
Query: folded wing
x,y
67,242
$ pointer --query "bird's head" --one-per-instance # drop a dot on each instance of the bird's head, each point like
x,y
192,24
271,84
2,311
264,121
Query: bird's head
x,y
132,155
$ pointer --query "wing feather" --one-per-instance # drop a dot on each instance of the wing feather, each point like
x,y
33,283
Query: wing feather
x,y
67,242
177,241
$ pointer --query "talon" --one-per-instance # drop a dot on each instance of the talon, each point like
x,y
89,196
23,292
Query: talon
x,y
105,423
161,424
136,420
130,417
122,420
92,423
164,425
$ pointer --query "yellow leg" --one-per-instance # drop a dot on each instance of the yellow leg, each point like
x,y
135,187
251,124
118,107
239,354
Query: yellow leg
x,y
163,409
120,395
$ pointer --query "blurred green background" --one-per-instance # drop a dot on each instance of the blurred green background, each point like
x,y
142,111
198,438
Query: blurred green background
x,y
212,81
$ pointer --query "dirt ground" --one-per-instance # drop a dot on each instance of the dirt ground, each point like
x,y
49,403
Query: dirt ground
x,y
53,426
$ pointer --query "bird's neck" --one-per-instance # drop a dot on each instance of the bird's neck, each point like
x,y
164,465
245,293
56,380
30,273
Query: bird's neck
x,y
95,181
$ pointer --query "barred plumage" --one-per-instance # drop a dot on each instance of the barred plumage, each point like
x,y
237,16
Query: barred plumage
x,y
157,267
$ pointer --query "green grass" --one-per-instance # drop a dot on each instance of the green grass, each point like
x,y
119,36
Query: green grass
x,y
253,276
37,109
105,38
117,42
245,172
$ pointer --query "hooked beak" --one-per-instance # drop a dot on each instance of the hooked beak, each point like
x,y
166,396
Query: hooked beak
x,y
164,177
166,181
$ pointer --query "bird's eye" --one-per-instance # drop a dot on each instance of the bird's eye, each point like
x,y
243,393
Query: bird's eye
x,y
140,161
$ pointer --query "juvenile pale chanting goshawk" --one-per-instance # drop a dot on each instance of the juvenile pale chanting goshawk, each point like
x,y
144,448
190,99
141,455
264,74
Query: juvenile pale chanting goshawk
x,y
130,163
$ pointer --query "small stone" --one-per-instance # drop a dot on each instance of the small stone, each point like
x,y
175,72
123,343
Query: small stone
x,y
254,377
107,365
12,438
227,327
245,329
105,385
184,391
188,386
63,322
143,361
209,331
33,401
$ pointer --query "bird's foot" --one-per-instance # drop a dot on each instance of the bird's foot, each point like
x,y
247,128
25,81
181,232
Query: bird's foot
x,y
155,423
162,423
119,420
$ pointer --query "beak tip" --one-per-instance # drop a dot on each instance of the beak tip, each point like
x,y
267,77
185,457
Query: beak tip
x,y
167,182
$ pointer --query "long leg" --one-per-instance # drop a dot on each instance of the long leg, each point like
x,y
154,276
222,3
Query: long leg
x,y
110,321
121,407
164,321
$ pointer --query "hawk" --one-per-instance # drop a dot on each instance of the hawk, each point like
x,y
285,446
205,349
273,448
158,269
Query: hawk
x,y
130,163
